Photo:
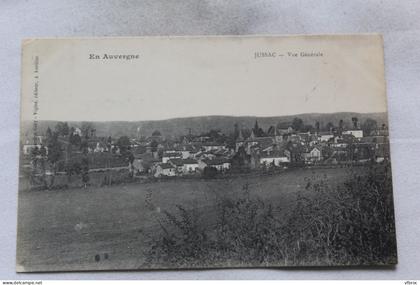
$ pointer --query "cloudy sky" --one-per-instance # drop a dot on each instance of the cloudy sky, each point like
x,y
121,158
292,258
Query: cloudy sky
x,y
180,77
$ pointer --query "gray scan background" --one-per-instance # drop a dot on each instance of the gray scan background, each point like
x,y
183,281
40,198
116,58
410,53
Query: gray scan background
x,y
398,21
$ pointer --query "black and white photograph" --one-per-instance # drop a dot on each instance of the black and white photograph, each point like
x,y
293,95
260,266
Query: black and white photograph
x,y
204,152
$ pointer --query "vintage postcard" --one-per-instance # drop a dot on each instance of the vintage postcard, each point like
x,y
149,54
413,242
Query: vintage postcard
x,y
204,152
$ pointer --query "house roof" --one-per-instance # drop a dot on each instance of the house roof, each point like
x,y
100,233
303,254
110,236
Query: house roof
x,y
166,166
313,137
326,134
262,142
177,148
316,147
272,154
347,138
197,144
172,154
381,132
216,161
184,147
260,139
212,144
224,152
144,156
304,136
190,161
138,150
177,161
295,147
92,144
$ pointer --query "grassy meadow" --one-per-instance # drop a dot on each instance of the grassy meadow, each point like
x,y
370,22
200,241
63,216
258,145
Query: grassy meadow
x,y
134,226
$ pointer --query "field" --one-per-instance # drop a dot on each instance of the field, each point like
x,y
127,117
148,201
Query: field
x,y
115,227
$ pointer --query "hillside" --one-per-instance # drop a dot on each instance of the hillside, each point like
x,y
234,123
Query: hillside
x,y
180,126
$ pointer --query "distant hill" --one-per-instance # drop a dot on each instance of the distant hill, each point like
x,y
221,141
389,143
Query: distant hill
x,y
180,126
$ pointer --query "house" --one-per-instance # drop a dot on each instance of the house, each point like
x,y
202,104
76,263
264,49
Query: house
x,y
77,131
170,155
194,153
381,152
380,132
223,153
294,138
95,145
275,133
325,136
304,137
358,134
31,144
189,166
142,163
204,155
186,150
258,143
91,146
275,158
313,140
337,155
137,166
138,150
186,139
294,152
165,169
170,150
27,148
212,146
284,128
344,141
312,155
261,141
220,164
100,147
201,138
185,154
178,163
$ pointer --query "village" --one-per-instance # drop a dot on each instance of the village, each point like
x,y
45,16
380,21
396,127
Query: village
x,y
78,151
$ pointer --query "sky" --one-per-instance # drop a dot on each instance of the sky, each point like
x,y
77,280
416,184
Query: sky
x,y
183,77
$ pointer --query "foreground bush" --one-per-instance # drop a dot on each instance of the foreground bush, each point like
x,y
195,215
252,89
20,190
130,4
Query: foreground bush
x,y
350,224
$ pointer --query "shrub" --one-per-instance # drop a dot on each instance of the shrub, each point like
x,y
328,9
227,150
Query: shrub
x,y
351,223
